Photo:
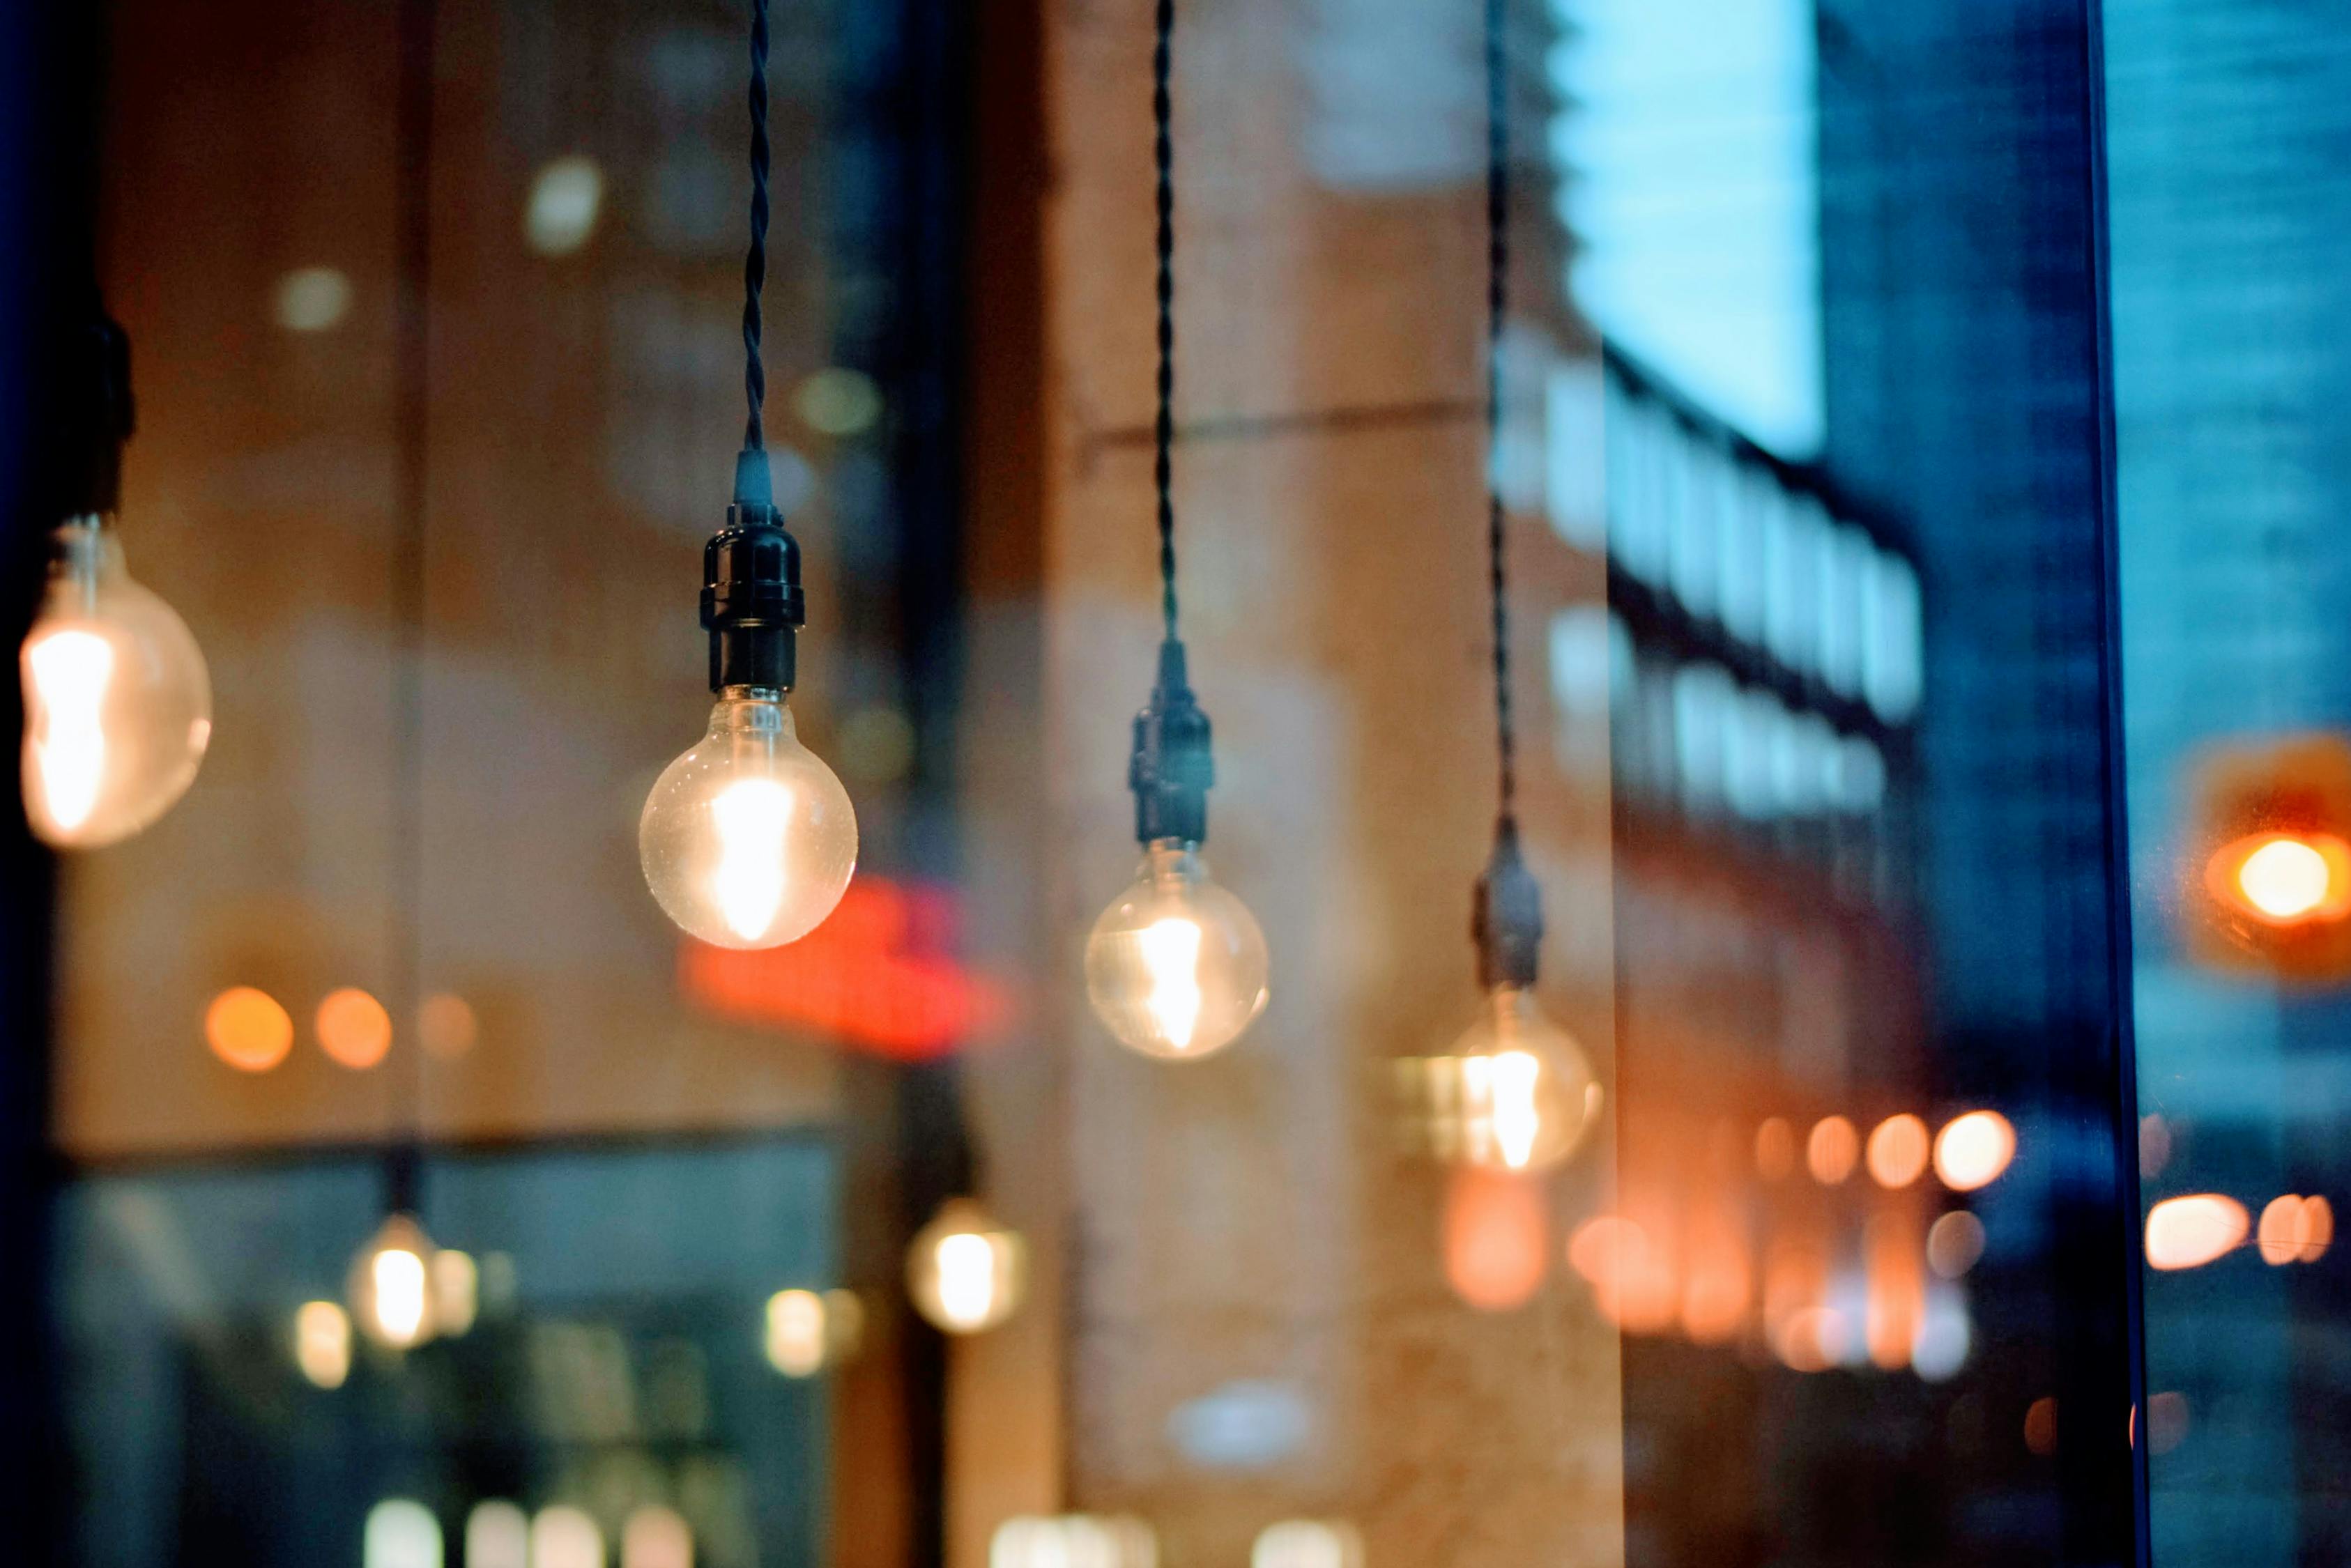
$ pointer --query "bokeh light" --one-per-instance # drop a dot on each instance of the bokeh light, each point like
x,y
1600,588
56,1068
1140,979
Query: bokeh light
x,y
2284,879
838,402
796,1332
402,1533
1072,1541
656,1537
354,1029
456,1291
1898,1151
1954,1243
1307,1543
1495,1228
565,1537
446,1026
2189,1232
1632,1278
1832,1151
497,1535
2166,1422
248,1029
2041,1426
1775,1149
322,1343
1972,1150
2294,1229
312,298
566,197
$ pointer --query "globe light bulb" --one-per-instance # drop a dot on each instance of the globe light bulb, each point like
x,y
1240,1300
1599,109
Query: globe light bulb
x,y
965,1271
1519,1093
1176,966
748,840
118,705
392,1288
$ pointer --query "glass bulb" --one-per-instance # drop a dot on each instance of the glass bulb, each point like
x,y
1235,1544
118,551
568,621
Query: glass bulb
x,y
118,706
1176,966
966,1271
1519,1094
748,840
390,1286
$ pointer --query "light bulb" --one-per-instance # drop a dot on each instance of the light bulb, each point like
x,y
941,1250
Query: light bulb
x,y
1176,966
966,1272
117,706
1519,1093
390,1286
748,840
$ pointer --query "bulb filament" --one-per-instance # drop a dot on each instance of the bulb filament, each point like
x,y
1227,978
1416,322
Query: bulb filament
x,y
1171,952
753,814
70,671
1503,1107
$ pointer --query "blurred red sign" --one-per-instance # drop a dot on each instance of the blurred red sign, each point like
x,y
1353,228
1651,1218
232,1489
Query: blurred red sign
x,y
878,976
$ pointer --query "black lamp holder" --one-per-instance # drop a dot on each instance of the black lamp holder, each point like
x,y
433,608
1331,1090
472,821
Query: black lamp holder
x,y
1172,769
751,601
95,415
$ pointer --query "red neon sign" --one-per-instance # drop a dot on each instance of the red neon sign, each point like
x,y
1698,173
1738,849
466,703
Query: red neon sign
x,y
879,975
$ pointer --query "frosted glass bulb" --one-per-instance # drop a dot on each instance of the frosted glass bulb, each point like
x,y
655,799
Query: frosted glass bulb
x,y
117,706
1176,966
966,1271
748,840
391,1285
1522,1095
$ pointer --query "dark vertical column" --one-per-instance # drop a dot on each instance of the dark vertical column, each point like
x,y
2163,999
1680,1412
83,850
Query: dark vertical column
x,y
48,74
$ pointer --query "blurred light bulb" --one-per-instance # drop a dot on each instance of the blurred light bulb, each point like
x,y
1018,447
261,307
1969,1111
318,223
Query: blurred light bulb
x,y
322,1343
392,1285
1522,1096
118,706
1176,966
748,840
966,1271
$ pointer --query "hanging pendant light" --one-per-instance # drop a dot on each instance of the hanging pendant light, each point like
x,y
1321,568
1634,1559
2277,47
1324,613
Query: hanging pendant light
x,y
967,1271
1177,965
748,840
118,705
1515,1092
390,1289
398,1286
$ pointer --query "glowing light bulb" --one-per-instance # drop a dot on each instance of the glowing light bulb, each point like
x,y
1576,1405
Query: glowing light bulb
x,y
748,840
966,1272
1517,1093
1176,966
117,706
392,1285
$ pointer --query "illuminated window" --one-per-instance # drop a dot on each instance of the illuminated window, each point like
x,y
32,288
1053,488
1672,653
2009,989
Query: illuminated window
x,y
1697,524
1703,698
1575,474
1847,567
1891,656
1589,648
1794,534
1753,493
1636,534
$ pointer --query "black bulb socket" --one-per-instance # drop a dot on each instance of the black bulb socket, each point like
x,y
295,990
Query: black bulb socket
x,y
1172,769
92,416
751,601
1506,918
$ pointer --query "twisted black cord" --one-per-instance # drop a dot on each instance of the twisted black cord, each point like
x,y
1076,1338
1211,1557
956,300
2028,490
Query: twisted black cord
x,y
755,262
1164,431
1498,269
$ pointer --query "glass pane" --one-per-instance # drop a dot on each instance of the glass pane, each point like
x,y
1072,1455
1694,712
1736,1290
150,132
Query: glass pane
x,y
2228,370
